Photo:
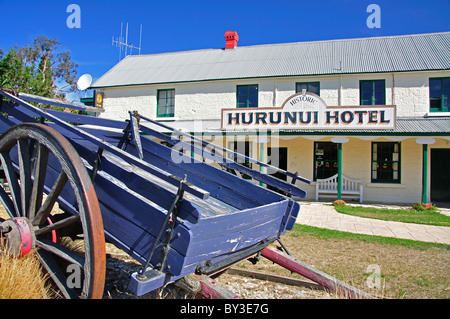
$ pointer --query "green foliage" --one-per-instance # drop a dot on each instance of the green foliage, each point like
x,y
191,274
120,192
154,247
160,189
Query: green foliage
x,y
14,75
423,207
37,67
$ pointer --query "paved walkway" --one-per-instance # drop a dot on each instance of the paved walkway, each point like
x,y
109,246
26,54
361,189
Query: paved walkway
x,y
324,215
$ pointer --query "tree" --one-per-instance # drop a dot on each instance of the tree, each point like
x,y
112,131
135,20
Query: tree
x,y
36,68
14,75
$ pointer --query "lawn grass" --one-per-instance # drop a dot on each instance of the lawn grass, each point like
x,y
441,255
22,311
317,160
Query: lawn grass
x,y
329,234
408,269
400,215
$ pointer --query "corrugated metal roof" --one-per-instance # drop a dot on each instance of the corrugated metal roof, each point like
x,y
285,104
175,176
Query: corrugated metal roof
x,y
364,55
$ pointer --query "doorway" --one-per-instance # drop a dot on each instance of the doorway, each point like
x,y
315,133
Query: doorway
x,y
440,175
277,156
325,160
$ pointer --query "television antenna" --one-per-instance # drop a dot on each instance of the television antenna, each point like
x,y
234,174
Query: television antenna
x,y
123,44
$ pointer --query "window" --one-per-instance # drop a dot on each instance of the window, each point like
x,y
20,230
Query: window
x,y
372,92
313,87
440,95
247,95
385,162
325,160
166,103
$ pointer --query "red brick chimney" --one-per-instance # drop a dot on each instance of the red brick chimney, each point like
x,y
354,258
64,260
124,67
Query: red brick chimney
x,y
231,39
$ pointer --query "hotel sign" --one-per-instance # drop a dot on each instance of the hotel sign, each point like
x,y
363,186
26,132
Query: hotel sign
x,y
309,111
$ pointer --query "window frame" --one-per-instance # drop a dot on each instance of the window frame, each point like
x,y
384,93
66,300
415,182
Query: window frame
x,y
166,106
441,98
385,181
307,86
373,90
248,95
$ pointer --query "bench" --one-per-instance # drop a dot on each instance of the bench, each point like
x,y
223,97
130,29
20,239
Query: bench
x,y
351,188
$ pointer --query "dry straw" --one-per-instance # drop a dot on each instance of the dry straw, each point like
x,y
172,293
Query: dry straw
x,y
22,278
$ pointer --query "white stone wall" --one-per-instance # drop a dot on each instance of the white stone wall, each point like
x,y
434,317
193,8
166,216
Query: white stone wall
x,y
204,100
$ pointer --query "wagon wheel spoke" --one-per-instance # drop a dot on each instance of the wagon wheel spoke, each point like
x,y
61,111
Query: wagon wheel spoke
x,y
40,169
25,173
7,203
57,275
61,251
58,225
44,211
13,183
43,169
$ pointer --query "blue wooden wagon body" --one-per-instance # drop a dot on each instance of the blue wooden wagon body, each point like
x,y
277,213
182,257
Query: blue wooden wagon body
x,y
217,217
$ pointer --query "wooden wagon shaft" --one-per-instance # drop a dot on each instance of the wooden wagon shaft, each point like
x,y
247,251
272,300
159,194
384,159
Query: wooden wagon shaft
x,y
274,278
229,163
313,274
210,289
46,100
251,160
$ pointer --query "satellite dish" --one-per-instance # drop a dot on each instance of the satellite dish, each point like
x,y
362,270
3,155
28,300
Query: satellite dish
x,y
84,82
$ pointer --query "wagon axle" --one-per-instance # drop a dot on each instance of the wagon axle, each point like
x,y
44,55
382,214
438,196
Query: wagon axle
x,y
18,236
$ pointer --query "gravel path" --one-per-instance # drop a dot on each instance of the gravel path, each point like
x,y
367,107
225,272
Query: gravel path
x,y
120,266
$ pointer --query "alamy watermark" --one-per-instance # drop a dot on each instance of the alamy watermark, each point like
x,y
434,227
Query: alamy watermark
x,y
74,276
374,19
227,147
74,19
373,281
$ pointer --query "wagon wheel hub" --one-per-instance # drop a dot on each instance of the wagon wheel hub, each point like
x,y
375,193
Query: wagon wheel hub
x,y
18,236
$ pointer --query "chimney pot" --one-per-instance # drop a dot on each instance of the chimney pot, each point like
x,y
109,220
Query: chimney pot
x,y
231,39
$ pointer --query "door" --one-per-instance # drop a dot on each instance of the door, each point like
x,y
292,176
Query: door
x,y
325,160
277,156
440,175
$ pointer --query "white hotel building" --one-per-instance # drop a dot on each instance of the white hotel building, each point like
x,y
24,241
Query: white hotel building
x,y
376,109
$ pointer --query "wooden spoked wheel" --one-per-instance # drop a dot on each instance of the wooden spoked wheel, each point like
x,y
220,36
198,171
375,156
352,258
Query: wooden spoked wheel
x,y
42,168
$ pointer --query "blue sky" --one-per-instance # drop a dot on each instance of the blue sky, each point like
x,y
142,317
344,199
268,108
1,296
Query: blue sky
x,y
176,25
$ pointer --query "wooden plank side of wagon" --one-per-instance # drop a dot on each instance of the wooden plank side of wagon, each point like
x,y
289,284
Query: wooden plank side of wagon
x,y
223,225
205,152
149,189
225,150
220,235
141,182
133,228
220,184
